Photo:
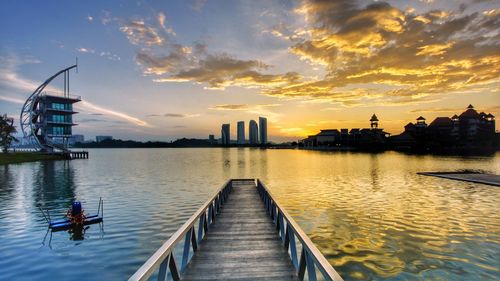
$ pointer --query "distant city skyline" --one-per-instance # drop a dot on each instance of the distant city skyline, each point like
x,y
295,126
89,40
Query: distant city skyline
x,y
257,134
172,69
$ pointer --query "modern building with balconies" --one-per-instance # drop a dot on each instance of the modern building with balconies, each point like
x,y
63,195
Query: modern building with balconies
x,y
47,119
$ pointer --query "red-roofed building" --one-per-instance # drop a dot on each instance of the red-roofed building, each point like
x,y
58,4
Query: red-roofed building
x,y
469,130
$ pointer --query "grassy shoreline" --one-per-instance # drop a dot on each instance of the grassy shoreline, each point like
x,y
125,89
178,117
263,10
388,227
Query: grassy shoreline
x,y
21,157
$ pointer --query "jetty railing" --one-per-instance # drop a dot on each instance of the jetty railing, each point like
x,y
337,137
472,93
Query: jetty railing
x,y
163,259
310,257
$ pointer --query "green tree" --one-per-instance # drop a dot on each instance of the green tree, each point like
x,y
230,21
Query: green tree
x,y
7,131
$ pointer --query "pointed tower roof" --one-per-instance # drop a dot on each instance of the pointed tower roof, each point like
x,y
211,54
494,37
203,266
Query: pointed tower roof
x,y
420,118
470,113
374,118
454,116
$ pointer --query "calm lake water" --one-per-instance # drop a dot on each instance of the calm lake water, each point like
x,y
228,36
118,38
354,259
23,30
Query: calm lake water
x,y
371,215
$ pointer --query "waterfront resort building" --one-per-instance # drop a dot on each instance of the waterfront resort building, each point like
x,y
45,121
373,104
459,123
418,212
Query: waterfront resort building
x,y
468,130
263,130
225,135
367,138
241,132
103,138
253,132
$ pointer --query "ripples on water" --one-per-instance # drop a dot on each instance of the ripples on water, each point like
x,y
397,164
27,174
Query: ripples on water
x,y
370,214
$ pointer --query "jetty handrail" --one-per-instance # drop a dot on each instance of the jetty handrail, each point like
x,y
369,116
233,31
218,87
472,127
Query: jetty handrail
x,y
164,258
310,257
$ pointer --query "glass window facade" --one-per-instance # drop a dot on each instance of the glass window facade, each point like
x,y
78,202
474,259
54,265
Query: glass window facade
x,y
60,118
60,131
62,106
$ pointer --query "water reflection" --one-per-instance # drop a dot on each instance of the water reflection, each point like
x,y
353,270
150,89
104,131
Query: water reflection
x,y
77,233
370,214
386,222
374,171
6,182
54,185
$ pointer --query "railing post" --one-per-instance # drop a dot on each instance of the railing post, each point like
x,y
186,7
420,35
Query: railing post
x,y
278,226
302,264
293,248
287,236
185,253
209,217
282,226
271,210
311,269
205,224
211,214
275,214
217,204
194,242
269,206
173,268
201,226
162,274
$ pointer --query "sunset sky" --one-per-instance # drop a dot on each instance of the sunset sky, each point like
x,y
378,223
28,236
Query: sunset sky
x,y
160,70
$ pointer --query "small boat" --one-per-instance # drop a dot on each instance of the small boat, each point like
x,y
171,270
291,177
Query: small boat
x,y
76,217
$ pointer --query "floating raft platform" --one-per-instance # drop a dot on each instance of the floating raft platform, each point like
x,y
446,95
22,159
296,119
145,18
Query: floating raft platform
x,y
240,233
65,224
488,179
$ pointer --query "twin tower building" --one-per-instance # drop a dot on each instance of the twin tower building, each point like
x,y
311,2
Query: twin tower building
x,y
254,132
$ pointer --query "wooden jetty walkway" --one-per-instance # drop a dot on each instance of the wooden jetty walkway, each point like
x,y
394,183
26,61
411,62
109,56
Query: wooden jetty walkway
x,y
488,179
240,233
79,154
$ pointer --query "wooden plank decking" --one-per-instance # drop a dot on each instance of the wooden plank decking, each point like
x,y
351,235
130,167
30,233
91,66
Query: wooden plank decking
x,y
242,243
488,179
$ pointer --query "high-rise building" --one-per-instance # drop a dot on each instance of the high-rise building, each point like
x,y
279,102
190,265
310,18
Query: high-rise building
x,y
211,139
253,132
76,139
263,130
241,132
103,138
225,135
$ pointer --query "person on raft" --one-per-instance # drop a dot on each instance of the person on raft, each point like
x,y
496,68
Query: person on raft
x,y
76,214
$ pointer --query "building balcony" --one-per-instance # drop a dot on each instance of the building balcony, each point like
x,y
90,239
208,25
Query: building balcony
x,y
59,136
61,123
69,98
63,111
